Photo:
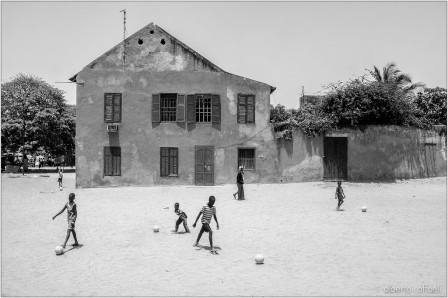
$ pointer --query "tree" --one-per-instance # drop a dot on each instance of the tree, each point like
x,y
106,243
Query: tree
x,y
35,114
393,76
431,105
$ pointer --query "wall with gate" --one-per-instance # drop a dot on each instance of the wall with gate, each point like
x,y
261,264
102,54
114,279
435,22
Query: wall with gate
x,y
377,153
391,152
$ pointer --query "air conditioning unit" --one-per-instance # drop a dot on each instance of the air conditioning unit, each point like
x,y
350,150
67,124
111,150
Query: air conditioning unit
x,y
112,127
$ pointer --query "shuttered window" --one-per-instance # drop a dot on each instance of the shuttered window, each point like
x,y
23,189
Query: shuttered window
x,y
203,108
168,107
169,162
246,158
112,161
216,108
246,108
112,107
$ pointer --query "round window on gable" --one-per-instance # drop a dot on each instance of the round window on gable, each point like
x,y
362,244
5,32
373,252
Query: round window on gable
x,y
140,41
162,41
152,31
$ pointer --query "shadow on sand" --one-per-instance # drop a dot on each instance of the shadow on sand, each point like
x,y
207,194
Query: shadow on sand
x,y
72,248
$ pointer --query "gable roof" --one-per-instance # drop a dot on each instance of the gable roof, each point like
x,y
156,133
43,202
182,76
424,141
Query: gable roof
x,y
175,41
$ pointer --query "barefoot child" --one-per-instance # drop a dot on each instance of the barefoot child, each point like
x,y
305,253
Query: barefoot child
x,y
182,218
339,195
207,212
61,174
71,218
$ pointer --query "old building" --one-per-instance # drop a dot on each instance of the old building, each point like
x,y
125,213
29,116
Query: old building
x,y
153,111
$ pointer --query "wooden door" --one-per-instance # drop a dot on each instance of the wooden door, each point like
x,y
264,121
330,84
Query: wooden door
x,y
335,158
430,160
204,165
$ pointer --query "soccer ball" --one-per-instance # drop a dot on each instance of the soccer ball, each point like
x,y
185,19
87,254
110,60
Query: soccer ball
x,y
364,208
58,250
259,259
155,229
60,188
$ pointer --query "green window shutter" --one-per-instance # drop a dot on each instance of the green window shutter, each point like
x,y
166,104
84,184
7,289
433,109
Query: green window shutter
x,y
180,111
241,109
108,107
117,107
216,108
155,108
191,108
250,108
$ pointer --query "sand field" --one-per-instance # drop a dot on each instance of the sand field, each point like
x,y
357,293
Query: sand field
x,y
309,248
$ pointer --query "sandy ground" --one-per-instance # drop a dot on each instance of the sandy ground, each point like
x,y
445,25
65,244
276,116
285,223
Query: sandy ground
x,y
309,248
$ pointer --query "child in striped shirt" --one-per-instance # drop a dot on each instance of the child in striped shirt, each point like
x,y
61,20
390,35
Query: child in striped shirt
x,y
182,218
207,212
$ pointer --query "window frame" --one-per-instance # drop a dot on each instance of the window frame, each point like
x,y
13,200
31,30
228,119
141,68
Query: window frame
x,y
162,174
210,108
254,158
162,95
111,155
246,96
113,94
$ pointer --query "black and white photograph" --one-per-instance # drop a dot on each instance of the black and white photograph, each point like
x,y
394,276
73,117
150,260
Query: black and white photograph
x,y
223,148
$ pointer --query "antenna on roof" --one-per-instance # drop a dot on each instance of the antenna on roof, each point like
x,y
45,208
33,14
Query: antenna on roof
x,y
124,35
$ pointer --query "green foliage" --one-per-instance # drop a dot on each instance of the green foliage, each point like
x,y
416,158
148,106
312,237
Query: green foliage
x,y
359,103
34,114
431,105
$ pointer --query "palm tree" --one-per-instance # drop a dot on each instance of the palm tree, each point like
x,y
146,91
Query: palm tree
x,y
392,75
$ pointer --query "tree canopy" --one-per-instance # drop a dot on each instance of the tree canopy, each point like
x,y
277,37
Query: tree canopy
x,y
35,115
389,99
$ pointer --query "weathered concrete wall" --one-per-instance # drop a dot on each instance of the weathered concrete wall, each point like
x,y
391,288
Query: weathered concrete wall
x,y
156,62
140,140
378,153
152,49
299,159
391,152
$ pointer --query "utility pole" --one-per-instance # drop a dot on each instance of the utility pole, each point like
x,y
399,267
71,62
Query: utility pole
x,y
124,35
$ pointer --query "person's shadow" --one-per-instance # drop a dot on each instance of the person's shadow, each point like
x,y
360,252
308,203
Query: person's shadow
x,y
72,248
209,248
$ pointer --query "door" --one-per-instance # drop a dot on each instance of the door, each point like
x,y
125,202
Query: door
x,y
335,158
204,165
430,160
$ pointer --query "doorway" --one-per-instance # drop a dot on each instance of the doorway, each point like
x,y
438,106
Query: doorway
x,y
335,158
204,165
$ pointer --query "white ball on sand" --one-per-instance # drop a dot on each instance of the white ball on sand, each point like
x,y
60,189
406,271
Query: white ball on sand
x,y
364,208
58,250
155,229
60,188
259,259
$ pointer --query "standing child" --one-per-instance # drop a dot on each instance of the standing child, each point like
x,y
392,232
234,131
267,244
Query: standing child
x,y
182,218
207,212
72,213
240,183
339,195
61,174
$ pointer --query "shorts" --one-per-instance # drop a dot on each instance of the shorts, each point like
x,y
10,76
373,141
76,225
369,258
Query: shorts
x,y
206,228
71,225
59,179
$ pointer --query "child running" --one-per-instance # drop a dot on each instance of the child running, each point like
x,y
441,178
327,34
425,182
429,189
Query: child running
x,y
182,218
72,213
207,212
339,195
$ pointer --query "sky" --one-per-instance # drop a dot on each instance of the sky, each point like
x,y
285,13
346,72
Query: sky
x,y
284,44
